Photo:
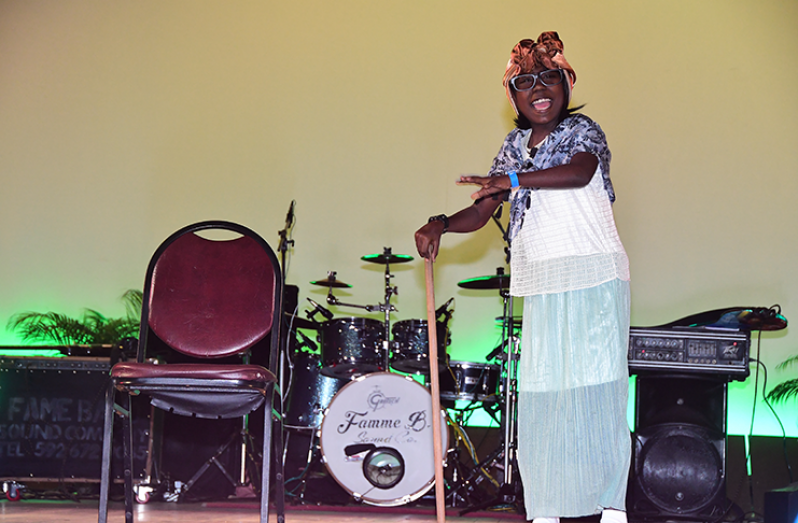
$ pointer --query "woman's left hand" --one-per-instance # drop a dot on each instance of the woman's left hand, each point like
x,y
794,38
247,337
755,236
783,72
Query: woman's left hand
x,y
490,185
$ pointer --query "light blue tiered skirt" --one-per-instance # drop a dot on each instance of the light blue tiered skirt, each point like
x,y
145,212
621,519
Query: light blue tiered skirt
x,y
574,447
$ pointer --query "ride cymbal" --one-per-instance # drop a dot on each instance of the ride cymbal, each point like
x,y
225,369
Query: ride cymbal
x,y
495,281
387,258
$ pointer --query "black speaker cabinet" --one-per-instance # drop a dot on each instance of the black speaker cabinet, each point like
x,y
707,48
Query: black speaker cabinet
x,y
51,420
679,454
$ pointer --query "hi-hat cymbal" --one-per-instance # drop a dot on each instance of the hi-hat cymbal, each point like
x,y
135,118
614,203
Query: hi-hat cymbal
x,y
330,281
387,258
495,281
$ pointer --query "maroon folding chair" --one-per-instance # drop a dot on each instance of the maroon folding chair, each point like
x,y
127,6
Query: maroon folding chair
x,y
205,299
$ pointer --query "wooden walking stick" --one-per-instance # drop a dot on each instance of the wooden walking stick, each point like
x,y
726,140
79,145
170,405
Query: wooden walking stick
x,y
432,336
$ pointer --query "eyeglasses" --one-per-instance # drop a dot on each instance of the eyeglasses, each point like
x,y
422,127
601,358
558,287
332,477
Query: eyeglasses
x,y
525,82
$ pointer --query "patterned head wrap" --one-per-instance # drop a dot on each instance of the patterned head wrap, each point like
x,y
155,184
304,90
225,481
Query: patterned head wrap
x,y
528,54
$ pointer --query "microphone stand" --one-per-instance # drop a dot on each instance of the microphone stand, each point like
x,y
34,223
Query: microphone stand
x,y
285,243
276,365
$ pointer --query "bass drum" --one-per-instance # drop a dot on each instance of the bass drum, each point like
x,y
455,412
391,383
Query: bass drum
x,y
376,439
310,392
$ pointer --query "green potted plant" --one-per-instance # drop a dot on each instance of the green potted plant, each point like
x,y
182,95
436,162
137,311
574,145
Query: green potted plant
x,y
93,328
788,389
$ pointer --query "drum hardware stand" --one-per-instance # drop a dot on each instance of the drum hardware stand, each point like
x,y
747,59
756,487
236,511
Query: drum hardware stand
x,y
505,233
510,389
507,494
478,473
386,307
249,454
463,483
312,458
462,488
247,444
304,467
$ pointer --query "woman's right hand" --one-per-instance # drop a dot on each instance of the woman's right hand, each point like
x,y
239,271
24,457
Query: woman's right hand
x,y
428,239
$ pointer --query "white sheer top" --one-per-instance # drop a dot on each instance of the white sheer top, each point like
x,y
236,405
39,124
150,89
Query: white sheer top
x,y
568,240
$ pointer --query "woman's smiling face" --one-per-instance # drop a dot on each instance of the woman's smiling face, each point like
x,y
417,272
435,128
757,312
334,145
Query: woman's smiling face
x,y
542,105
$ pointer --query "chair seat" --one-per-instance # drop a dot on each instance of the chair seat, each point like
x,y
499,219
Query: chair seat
x,y
195,371
197,389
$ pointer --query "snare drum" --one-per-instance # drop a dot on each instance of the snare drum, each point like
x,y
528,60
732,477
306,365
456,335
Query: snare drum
x,y
310,392
411,345
376,439
352,346
464,380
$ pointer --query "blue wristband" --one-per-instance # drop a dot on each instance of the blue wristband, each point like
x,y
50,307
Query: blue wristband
x,y
513,179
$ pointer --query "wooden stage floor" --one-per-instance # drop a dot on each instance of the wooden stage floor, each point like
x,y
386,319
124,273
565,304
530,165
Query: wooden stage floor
x,y
32,511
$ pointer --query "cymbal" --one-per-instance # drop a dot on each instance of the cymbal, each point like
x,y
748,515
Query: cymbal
x,y
387,258
495,281
330,281
301,323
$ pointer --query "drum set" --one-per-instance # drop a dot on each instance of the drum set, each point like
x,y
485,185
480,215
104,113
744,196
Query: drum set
x,y
359,396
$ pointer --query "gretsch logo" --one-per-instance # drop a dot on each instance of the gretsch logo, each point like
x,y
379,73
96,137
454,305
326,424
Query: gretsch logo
x,y
377,400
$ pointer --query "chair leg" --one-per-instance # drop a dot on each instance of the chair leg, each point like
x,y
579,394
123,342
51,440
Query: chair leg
x,y
272,453
267,455
105,473
277,459
127,456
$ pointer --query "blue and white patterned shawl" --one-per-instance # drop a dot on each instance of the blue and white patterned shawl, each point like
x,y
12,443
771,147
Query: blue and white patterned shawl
x,y
576,134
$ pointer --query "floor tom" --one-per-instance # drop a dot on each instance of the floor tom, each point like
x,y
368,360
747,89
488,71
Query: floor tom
x,y
310,393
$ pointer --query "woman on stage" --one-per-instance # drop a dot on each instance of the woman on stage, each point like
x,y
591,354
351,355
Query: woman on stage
x,y
568,264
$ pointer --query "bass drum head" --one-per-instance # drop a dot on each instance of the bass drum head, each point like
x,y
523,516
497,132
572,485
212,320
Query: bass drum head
x,y
376,439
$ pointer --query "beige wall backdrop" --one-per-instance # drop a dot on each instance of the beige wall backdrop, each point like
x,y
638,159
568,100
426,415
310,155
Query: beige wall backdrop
x,y
120,122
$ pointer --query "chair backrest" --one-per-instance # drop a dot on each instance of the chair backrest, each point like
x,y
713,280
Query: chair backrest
x,y
211,298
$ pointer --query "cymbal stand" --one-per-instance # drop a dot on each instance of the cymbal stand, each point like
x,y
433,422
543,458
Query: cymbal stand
x,y
507,450
510,371
386,307
510,364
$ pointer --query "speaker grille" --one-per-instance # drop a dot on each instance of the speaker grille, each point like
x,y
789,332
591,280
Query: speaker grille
x,y
679,467
679,447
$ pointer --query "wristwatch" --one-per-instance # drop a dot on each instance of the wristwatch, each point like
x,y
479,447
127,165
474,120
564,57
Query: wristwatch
x,y
440,218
